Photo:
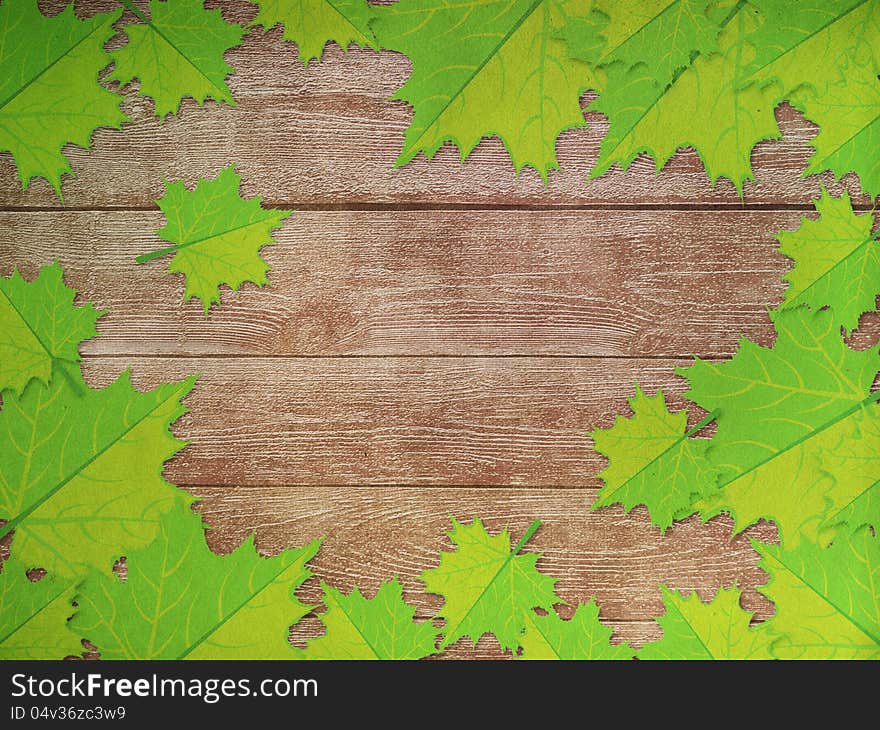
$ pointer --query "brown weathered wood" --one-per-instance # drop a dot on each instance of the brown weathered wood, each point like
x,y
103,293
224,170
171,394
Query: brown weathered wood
x,y
417,421
368,421
328,135
325,407
612,283
373,534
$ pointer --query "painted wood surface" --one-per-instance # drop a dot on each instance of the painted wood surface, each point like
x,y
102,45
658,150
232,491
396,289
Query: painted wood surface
x,y
436,340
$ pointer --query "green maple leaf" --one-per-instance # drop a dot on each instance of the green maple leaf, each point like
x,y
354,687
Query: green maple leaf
x,y
837,262
849,129
826,598
585,38
40,327
312,24
217,235
381,627
49,90
661,36
581,637
33,615
716,630
488,588
703,107
857,461
512,79
176,53
181,601
652,460
783,412
81,469
824,57
809,44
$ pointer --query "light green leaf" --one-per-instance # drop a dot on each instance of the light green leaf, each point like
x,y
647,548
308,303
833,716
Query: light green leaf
x,y
487,587
856,462
653,460
217,235
585,38
716,630
381,627
581,637
510,76
49,90
837,262
827,600
33,615
701,108
783,412
812,43
312,24
181,601
849,129
824,57
39,327
660,35
177,53
81,469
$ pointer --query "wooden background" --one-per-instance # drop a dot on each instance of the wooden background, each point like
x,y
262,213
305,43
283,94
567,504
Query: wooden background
x,y
435,340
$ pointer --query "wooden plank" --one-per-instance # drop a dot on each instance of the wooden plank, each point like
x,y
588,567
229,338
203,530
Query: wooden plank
x,y
328,135
368,421
414,421
621,283
373,534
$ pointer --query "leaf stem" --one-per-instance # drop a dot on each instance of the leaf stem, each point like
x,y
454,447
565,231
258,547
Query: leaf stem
x,y
533,528
63,365
143,258
129,5
702,424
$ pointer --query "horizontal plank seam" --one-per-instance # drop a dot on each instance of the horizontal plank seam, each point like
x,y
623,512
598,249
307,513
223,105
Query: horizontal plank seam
x,y
440,207
405,356
390,485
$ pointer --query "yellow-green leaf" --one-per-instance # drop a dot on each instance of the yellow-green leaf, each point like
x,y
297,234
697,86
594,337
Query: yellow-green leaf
x,y
582,637
783,412
34,614
177,52
703,107
487,587
837,262
216,235
660,36
49,90
182,601
40,327
381,627
716,630
654,461
827,599
511,78
81,469
312,24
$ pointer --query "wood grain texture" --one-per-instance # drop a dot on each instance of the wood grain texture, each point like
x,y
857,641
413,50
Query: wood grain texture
x,y
368,421
617,283
328,135
585,283
373,534
436,340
